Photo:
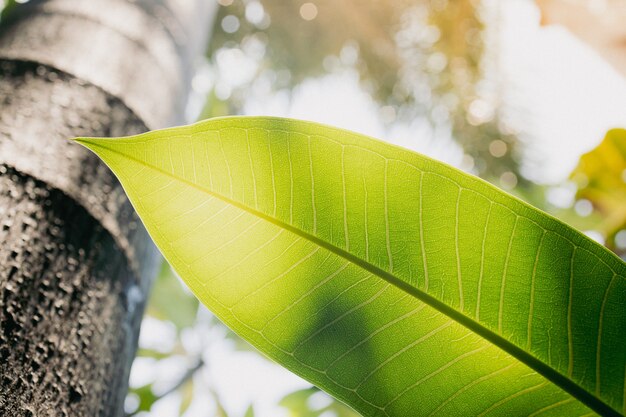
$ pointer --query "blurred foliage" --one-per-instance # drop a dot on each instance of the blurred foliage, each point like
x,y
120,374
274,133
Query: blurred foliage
x,y
423,58
600,177
169,300
249,412
300,47
146,397
187,396
309,403
8,5
153,354
598,23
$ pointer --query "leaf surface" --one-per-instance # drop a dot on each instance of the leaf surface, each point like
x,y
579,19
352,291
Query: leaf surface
x,y
400,285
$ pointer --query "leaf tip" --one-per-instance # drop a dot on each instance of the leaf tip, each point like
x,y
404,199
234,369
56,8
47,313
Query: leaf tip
x,y
82,141
86,142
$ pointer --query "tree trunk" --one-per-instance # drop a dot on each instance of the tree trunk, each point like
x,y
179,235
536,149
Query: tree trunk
x,y
75,262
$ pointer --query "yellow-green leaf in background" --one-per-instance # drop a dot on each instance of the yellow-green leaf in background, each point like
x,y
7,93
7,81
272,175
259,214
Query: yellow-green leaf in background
x,y
398,284
186,392
601,179
249,411
146,397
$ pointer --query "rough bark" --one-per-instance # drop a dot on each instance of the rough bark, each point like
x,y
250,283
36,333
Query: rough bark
x,y
75,262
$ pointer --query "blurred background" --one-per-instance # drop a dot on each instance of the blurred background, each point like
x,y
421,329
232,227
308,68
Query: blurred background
x,y
514,91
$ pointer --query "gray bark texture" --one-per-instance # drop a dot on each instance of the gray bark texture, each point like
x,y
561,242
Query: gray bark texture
x,y
75,262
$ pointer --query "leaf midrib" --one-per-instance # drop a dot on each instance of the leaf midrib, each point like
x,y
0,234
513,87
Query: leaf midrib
x,y
575,390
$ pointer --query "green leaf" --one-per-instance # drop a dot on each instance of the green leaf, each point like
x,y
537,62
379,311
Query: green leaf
x,y
398,284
